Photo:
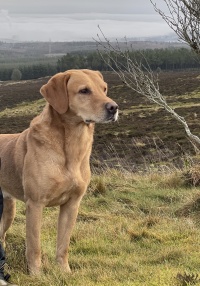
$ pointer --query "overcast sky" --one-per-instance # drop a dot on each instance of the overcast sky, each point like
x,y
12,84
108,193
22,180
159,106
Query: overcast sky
x,y
73,20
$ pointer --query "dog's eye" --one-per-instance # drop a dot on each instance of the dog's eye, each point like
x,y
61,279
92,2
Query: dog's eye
x,y
84,91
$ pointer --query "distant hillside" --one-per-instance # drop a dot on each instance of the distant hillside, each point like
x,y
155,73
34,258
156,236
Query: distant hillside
x,y
38,49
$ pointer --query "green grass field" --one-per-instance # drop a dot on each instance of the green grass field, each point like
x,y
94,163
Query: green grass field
x,y
131,230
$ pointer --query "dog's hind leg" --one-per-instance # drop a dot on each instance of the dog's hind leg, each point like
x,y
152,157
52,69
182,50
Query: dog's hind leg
x,y
9,210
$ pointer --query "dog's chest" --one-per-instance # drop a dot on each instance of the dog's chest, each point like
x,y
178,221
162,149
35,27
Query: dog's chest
x,y
66,187
63,173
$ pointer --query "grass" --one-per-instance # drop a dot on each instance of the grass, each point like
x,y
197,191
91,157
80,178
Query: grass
x,y
10,63
128,232
32,108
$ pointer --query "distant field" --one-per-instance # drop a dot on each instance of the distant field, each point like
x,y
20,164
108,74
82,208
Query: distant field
x,y
145,134
16,63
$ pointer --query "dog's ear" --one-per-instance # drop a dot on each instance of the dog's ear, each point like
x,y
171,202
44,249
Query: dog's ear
x,y
99,74
55,92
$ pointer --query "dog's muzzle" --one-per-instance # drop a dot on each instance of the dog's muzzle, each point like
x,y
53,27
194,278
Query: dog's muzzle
x,y
110,114
112,111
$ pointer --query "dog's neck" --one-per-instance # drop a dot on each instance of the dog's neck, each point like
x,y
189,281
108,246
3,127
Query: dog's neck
x,y
67,125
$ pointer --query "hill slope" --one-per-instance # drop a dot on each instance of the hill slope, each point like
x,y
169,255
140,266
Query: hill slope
x,y
144,134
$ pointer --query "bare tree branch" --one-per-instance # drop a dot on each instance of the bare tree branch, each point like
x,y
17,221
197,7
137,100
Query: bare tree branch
x,y
184,20
138,76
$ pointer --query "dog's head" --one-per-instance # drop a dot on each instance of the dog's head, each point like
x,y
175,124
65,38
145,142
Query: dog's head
x,y
84,92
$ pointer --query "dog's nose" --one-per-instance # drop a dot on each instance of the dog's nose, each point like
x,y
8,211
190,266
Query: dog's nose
x,y
112,107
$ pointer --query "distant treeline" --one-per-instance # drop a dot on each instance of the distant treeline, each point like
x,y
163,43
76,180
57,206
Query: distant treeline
x,y
162,59
33,71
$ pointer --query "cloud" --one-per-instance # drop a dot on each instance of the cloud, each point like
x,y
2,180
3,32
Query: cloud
x,y
77,26
30,21
80,6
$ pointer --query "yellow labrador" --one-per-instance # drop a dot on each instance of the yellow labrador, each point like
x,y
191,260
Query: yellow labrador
x,y
48,163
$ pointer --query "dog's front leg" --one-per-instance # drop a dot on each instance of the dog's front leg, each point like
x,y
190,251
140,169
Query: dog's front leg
x,y
33,229
67,218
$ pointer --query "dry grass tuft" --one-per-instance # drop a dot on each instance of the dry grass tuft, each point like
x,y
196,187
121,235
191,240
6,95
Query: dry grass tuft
x,y
192,176
188,279
192,207
170,255
150,221
98,186
136,236
168,179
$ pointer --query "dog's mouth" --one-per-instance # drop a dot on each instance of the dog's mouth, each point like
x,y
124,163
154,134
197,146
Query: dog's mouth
x,y
106,119
110,119
113,117
88,121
